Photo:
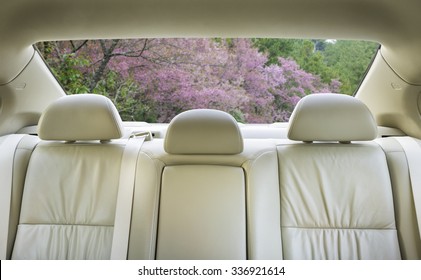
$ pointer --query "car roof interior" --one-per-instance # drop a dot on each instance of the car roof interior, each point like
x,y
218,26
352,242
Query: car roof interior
x,y
27,22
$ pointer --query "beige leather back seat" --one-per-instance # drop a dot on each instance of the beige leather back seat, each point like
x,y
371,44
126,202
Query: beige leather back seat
x,y
219,196
70,190
336,193
204,192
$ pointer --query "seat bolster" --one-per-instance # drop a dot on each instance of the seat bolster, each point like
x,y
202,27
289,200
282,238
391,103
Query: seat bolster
x,y
143,230
406,219
22,158
263,207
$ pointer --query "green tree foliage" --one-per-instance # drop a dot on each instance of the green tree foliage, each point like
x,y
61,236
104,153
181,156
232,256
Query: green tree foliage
x,y
65,67
312,60
275,48
346,61
127,97
349,60
69,60
307,53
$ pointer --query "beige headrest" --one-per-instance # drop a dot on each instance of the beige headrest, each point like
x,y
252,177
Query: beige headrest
x,y
203,131
81,117
331,117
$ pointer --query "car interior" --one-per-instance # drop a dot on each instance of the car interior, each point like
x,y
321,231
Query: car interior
x,y
341,180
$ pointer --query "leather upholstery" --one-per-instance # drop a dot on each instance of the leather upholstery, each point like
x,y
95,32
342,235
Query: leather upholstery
x,y
333,205
336,198
203,187
20,164
81,117
202,207
202,131
68,203
331,117
70,191
202,213
267,199
406,219
258,162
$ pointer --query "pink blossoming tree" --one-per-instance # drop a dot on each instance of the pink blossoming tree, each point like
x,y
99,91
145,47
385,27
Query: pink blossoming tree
x,y
155,79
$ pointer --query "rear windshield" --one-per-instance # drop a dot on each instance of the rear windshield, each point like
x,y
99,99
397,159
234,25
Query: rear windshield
x,y
255,80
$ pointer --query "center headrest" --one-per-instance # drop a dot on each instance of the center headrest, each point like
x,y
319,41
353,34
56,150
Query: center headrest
x,y
81,117
331,117
203,131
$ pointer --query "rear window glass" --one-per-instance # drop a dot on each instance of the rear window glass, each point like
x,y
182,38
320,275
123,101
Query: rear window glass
x,y
255,80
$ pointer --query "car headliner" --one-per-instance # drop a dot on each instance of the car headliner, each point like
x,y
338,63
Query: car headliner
x,y
394,24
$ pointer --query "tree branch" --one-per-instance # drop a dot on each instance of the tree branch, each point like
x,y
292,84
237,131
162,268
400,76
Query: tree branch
x,y
76,49
107,55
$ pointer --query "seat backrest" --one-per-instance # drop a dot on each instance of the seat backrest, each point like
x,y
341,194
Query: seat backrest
x,y
205,173
336,195
70,190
